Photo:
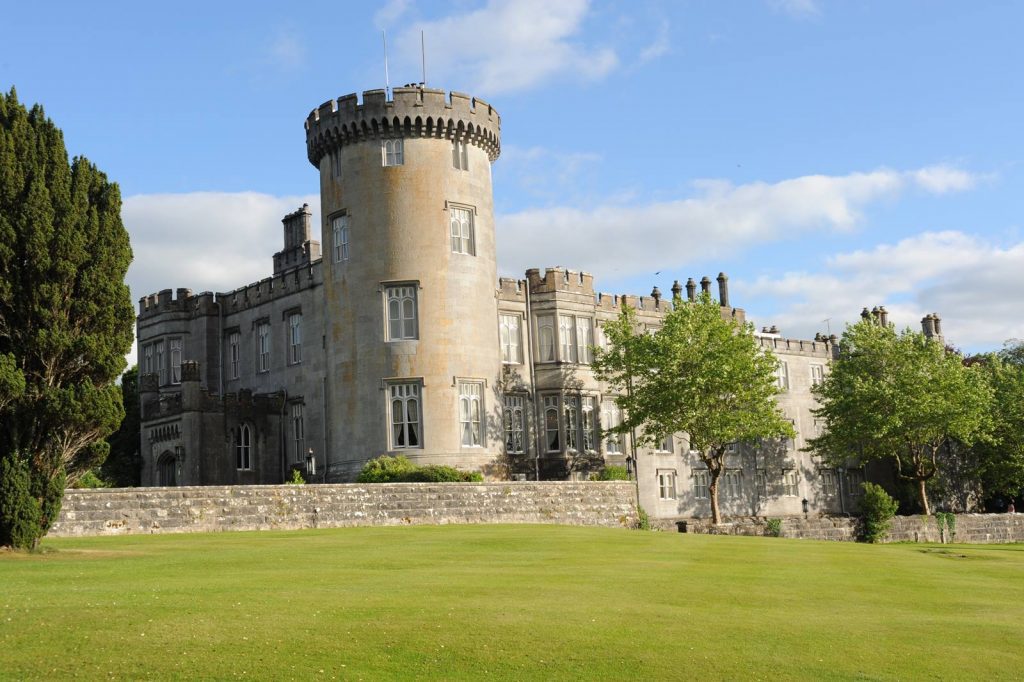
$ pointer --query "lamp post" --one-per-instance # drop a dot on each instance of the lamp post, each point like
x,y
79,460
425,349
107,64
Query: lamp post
x,y
179,458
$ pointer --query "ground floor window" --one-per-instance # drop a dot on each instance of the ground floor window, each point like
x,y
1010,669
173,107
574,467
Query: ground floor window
x,y
243,447
733,481
790,483
167,470
855,482
828,481
701,487
666,484
405,416
514,421
470,411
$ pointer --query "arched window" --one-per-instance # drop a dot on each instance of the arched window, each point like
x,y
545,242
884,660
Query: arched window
x,y
243,447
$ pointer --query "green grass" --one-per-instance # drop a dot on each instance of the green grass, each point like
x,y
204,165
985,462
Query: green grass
x,y
508,602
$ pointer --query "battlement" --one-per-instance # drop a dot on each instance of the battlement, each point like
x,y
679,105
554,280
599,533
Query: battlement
x,y
413,111
560,279
511,289
821,346
208,303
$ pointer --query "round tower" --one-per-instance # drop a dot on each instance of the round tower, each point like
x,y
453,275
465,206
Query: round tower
x,y
410,272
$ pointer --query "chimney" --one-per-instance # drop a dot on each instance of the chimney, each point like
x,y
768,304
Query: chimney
x,y
691,289
677,290
928,325
656,295
705,285
865,314
938,324
723,290
883,316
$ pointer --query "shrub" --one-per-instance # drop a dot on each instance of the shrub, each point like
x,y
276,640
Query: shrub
x,y
90,480
613,473
20,513
773,527
386,469
297,478
947,519
643,521
878,509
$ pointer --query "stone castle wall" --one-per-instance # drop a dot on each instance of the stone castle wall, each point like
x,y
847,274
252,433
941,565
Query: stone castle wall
x,y
288,507
970,528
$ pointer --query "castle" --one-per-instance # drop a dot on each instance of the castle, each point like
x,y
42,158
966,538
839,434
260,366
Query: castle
x,y
401,339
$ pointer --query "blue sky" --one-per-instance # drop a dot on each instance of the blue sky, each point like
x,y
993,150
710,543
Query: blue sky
x,y
827,156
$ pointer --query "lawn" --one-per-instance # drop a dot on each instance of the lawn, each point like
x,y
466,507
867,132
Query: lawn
x,y
508,602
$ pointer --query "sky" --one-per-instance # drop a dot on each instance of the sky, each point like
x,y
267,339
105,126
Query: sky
x,y
825,155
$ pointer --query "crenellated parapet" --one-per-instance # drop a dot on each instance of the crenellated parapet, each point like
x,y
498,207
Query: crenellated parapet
x,y
413,111
511,289
822,346
560,279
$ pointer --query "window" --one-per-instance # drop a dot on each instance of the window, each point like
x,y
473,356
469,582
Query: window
x,y
571,408
341,238
587,404
514,418
462,230
790,483
567,336
817,374
161,368
733,484
147,359
701,490
552,437
175,346
234,352
263,347
460,155
392,152
298,434
401,302
584,339
511,346
295,338
828,482
611,416
546,338
782,375
665,445
787,442
855,482
666,484
405,416
470,410
336,163
761,481
243,447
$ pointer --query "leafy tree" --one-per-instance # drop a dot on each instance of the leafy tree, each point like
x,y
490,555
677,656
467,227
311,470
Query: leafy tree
x,y
701,374
66,316
997,460
901,397
123,466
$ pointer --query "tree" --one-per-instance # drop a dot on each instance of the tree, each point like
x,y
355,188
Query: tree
x,y
901,397
123,466
66,316
701,374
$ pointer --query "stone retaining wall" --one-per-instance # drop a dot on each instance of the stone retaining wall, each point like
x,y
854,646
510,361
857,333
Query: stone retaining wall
x,y
122,511
970,528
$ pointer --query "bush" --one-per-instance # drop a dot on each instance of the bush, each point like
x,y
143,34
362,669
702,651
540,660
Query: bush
x,y
20,513
613,473
90,480
878,509
387,469
297,478
773,527
643,521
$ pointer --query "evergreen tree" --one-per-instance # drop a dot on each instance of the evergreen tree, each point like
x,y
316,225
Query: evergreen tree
x,y
700,374
66,315
123,466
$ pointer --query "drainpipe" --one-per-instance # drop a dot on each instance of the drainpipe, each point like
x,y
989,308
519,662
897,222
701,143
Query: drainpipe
x,y
283,435
220,349
533,384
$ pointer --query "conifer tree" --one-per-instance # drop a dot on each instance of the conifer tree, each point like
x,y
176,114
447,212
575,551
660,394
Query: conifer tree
x,y
66,317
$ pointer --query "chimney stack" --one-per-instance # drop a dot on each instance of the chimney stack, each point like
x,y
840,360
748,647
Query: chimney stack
x,y
691,289
723,290
705,285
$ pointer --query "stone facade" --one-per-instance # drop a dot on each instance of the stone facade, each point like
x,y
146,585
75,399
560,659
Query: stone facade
x,y
289,507
401,339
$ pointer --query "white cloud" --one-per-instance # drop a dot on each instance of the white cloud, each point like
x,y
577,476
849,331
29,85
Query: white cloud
x,y
797,8
719,218
942,178
970,282
507,45
214,241
287,51
659,46
390,12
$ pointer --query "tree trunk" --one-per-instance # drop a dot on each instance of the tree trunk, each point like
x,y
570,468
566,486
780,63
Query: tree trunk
x,y
716,516
923,495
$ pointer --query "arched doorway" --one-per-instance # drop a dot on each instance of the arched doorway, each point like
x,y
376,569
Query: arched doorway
x,y
167,470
